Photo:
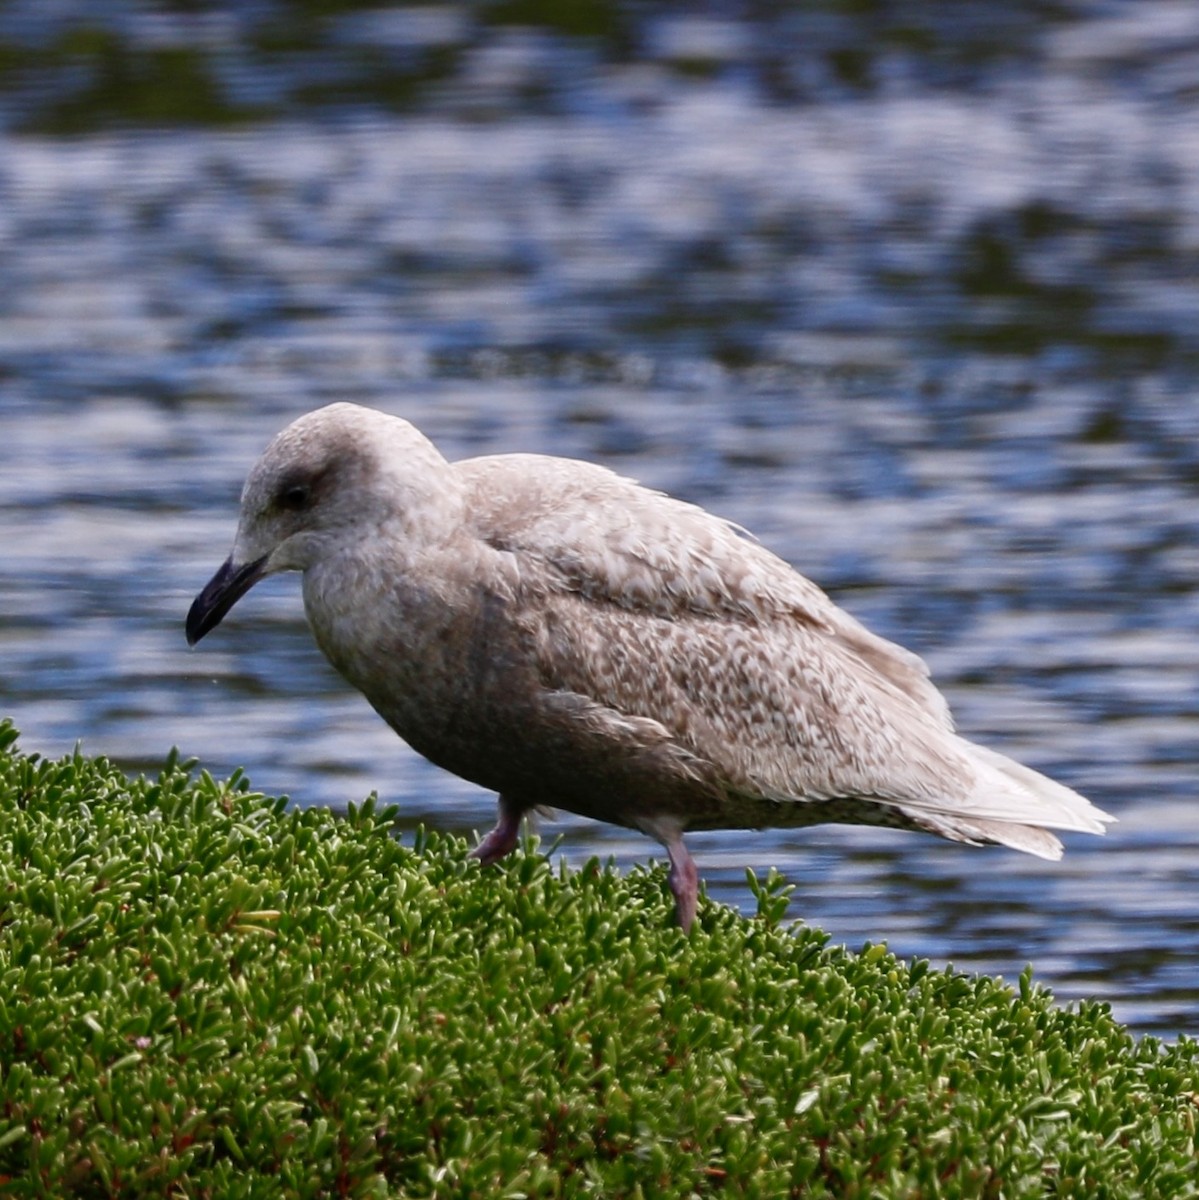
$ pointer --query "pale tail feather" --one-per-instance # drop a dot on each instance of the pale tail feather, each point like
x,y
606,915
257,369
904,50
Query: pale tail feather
x,y
1055,805
1027,838
1009,805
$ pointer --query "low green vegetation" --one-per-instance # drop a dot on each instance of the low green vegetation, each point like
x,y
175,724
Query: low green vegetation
x,y
203,993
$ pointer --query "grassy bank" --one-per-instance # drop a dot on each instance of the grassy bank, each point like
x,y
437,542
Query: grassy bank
x,y
203,994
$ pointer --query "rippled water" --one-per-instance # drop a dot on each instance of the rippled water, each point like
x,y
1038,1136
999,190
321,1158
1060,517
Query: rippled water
x,y
934,337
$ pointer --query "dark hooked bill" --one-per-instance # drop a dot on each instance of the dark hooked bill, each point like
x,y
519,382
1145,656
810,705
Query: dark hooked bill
x,y
220,594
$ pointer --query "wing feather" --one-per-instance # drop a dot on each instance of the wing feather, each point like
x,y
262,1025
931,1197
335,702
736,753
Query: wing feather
x,y
656,609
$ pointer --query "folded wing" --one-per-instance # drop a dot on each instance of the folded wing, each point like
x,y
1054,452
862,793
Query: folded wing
x,y
656,609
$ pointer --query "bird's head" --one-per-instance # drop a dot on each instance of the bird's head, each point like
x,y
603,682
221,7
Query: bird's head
x,y
332,476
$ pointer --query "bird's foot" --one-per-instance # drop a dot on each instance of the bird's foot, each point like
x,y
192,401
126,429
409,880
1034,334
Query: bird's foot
x,y
503,838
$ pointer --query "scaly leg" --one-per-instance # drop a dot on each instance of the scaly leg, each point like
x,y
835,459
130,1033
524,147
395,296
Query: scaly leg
x,y
684,881
684,878
503,838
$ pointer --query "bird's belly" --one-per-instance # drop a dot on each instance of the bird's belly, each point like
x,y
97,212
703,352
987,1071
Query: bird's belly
x,y
461,688
494,739
758,812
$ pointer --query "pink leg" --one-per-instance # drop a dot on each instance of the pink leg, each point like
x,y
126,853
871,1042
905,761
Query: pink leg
x,y
503,838
684,881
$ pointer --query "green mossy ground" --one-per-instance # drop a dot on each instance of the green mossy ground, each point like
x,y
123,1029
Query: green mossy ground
x,y
205,994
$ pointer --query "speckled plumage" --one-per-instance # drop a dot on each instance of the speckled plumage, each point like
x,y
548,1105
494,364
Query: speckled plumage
x,y
570,639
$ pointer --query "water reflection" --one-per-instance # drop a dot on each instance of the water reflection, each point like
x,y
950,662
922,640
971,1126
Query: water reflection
x,y
918,310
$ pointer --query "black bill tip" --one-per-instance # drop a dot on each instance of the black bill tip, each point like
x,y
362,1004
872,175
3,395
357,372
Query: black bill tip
x,y
220,594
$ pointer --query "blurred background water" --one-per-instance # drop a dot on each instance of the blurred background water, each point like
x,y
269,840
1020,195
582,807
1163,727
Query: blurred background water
x,y
910,291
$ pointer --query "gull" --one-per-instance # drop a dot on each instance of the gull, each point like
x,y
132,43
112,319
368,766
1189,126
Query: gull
x,y
567,638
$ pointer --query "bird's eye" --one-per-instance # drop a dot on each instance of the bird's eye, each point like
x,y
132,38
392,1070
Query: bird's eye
x,y
295,497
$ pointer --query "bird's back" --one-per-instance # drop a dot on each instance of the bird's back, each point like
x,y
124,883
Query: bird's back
x,y
645,608
618,544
